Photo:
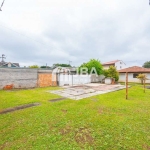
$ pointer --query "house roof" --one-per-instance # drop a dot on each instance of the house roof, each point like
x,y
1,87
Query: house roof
x,y
17,64
135,69
3,64
111,62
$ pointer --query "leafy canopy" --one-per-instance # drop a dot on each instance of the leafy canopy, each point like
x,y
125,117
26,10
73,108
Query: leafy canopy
x,y
61,65
45,67
93,63
34,66
146,64
112,73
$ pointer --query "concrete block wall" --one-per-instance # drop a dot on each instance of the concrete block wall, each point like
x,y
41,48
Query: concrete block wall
x,y
20,77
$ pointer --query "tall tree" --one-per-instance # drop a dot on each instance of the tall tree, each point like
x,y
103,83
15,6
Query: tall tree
x,y
93,63
146,64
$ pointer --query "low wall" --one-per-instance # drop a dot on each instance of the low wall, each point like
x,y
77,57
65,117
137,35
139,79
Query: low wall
x,y
73,79
65,79
20,77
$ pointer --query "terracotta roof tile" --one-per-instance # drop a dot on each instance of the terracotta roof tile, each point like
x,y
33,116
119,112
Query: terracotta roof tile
x,y
111,62
135,69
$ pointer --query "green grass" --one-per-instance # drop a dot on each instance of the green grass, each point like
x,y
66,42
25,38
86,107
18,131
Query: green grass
x,y
103,122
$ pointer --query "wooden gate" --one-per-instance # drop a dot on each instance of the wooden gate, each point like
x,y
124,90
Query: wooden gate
x,y
45,80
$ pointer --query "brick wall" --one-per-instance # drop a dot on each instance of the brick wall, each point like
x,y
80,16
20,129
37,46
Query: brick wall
x,y
45,80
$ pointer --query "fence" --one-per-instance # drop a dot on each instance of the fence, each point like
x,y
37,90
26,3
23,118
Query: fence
x,y
65,79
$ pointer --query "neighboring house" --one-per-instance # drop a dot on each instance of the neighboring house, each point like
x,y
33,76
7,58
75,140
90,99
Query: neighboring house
x,y
119,64
133,72
9,64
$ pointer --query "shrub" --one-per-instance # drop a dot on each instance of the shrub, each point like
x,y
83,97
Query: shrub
x,y
112,73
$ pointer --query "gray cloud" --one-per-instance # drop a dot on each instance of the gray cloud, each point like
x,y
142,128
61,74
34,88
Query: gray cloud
x,y
57,31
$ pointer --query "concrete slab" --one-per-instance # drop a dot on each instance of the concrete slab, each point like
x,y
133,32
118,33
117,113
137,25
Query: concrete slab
x,y
83,91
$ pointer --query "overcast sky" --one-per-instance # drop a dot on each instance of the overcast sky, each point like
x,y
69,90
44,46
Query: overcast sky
x,y
56,31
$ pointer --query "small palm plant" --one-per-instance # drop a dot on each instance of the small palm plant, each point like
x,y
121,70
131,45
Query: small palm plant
x,y
142,77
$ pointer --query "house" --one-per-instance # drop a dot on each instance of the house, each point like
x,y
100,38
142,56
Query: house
x,y
119,64
133,72
9,64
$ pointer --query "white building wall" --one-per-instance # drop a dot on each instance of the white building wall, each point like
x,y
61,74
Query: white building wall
x,y
120,65
122,78
106,67
74,79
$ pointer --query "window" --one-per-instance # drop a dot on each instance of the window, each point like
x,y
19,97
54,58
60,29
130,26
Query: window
x,y
135,75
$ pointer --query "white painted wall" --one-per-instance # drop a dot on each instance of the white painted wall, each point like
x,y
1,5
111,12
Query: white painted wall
x,y
122,78
120,65
106,67
74,79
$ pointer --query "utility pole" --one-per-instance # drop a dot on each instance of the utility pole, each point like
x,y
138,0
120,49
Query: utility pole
x,y
144,85
3,57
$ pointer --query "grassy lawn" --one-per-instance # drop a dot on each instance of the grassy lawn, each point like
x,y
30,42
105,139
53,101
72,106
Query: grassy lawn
x,y
102,122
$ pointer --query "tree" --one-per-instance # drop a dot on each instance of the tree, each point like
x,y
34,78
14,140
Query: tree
x,y
93,63
105,72
45,67
142,77
61,65
146,64
112,73
34,66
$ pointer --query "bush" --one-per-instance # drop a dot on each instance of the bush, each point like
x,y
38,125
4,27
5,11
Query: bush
x,y
142,77
112,73
34,66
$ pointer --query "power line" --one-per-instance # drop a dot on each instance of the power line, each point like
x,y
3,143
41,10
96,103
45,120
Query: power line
x,y
135,60
21,34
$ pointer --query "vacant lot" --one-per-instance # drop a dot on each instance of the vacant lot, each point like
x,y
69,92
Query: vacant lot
x,y
100,122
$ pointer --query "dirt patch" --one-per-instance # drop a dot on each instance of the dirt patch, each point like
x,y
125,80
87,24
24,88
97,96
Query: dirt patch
x,y
100,110
64,111
94,99
57,99
18,108
83,136
146,147
65,131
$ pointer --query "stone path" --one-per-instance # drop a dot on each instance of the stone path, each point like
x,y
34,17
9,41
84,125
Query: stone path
x,y
87,90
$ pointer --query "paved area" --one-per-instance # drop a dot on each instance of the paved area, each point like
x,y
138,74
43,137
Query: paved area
x,y
87,90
